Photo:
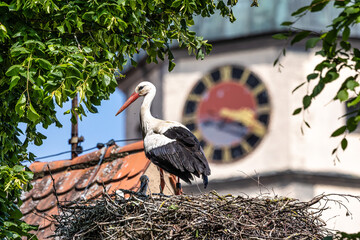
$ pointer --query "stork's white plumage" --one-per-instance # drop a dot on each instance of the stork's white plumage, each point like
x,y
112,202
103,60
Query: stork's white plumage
x,y
169,144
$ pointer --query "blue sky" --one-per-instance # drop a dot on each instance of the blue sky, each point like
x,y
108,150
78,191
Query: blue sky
x,y
99,127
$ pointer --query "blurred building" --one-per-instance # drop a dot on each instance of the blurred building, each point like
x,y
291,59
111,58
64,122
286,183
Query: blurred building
x,y
240,107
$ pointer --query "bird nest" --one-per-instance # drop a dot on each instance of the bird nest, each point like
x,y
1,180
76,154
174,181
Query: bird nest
x,y
208,216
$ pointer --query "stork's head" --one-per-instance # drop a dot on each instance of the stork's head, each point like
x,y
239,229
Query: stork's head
x,y
142,89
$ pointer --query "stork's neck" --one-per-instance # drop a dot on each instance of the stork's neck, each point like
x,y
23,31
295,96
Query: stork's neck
x,y
147,120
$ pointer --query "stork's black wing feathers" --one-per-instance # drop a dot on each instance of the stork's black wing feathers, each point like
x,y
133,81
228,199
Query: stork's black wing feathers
x,y
167,157
183,136
188,141
183,157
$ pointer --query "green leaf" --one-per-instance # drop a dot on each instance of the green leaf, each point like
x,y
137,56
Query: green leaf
x,y
330,37
133,62
14,81
286,23
20,105
280,36
300,36
171,66
357,52
175,4
18,168
34,43
254,3
320,53
300,10
297,111
312,76
299,86
318,89
331,75
276,61
311,42
345,45
38,141
106,79
87,50
88,16
318,5
352,84
151,6
338,19
9,224
109,55
61,28
306,101
18,51
351,10
79,24
67,112
16,213
73,71
338,131
344,144
57,74
32,114
13,70
334,151
354,102
45,64
346,33
351,124
342,95
58,98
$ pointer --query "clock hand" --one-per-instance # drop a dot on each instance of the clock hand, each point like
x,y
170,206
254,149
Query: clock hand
x,y
240,131
215,120
246,117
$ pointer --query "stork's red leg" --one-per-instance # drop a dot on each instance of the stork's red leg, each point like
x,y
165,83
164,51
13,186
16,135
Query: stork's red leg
x,y
179,190
162,180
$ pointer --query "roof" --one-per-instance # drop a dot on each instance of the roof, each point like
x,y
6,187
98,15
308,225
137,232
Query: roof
x,y
122,168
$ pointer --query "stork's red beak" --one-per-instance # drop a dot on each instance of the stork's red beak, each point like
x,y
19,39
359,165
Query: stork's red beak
x,y
130,100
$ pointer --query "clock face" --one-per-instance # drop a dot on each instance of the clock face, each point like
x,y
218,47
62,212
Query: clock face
x,y
228,110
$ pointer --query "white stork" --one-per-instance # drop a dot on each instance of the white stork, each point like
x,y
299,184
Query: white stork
x,y
169,144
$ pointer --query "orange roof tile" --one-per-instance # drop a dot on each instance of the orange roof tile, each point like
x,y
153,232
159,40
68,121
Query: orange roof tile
x,y
42,187
85,178
73,177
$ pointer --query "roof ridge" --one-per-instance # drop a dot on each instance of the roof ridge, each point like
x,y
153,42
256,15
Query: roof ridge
x,y
41,169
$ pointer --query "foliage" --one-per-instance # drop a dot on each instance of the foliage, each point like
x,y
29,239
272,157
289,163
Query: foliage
x,y
52,50
337,53
12,181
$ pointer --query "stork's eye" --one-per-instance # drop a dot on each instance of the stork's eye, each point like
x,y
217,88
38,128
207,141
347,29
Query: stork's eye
x,y
140,88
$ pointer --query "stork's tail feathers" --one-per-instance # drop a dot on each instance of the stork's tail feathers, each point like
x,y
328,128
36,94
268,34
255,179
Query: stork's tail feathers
x,y
205,180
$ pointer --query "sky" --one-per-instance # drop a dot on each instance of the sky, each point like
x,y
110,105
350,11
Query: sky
x,y
96,128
